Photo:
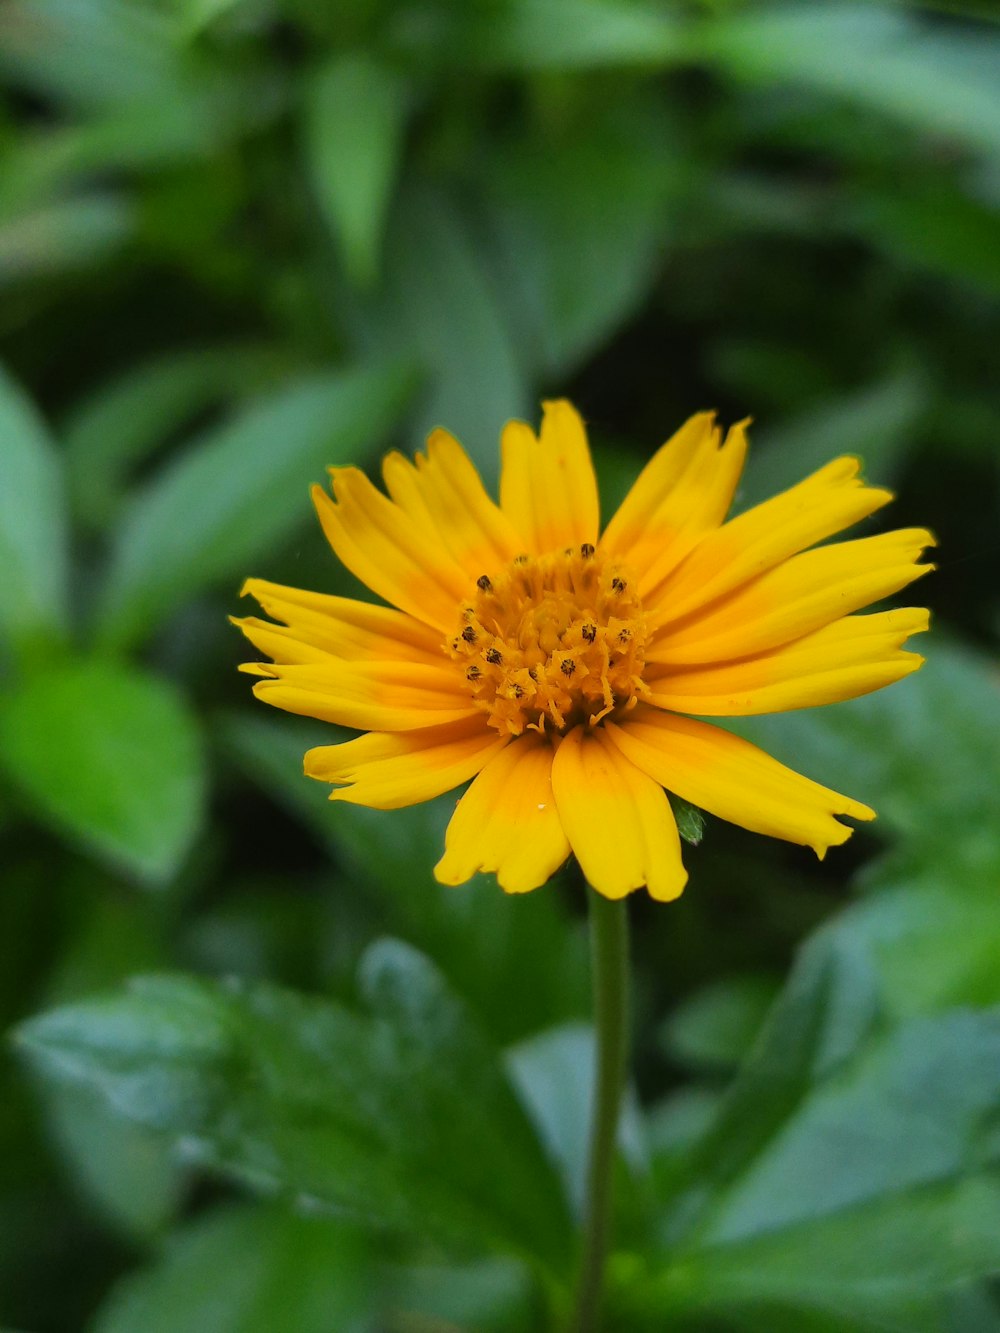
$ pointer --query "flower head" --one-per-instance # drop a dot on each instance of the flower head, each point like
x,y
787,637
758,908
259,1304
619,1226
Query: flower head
x,y
558,667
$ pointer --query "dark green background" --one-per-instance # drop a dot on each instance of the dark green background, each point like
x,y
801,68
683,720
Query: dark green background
x,y
242,239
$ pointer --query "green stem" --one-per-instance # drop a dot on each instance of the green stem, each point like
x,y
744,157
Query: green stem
x,y
609,963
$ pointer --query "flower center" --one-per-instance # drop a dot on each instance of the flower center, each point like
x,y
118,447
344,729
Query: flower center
x,y
553,639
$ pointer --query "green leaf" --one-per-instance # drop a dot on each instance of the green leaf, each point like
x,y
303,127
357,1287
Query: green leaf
x,y
869,1262
33,538
716,1027
89,52
580,227
849,1171
933,939
827,1010
936,226
690,820
557,35
111,757
124,1171
873,1194
490,1296
923,753
402,1116
196,15
876,423
555,1072
115,427
65,234
517,960
354,119
876,56
435,303
672,1127
236,492
247,1270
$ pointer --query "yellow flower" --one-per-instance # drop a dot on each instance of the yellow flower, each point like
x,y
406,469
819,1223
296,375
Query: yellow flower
x,y
556,665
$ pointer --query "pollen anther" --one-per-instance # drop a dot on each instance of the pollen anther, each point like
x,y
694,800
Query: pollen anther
x,y
567,640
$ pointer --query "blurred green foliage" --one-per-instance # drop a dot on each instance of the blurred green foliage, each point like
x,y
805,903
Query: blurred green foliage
x,y
243,239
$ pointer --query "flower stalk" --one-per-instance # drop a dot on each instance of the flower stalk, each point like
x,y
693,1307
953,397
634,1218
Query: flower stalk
x,y
609,965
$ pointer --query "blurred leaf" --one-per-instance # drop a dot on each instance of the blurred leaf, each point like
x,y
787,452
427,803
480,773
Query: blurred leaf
x,y
580,229
33,538
880,1186
436,304
123,1169
89,52
270,752
827,1010
237,491
875,55
716,1027
924,753
553,35
877,423
117,425
517,959
935,226
111,757
196,15
46,163
672,1127
972,1308
247,1270
27,939
934,940
403,1116
63,234
354,120
555,1072
847,1171
491,1296
741,201
124,1172
270,930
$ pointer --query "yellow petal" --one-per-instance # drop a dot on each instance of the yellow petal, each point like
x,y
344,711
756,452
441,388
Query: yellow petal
x,y
369,696
548,489
388,551
445,497
684,492
296,644
387,771
801,595
279,643
507,822
657,481
830,500
344,626
735,780
852,656
618,820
